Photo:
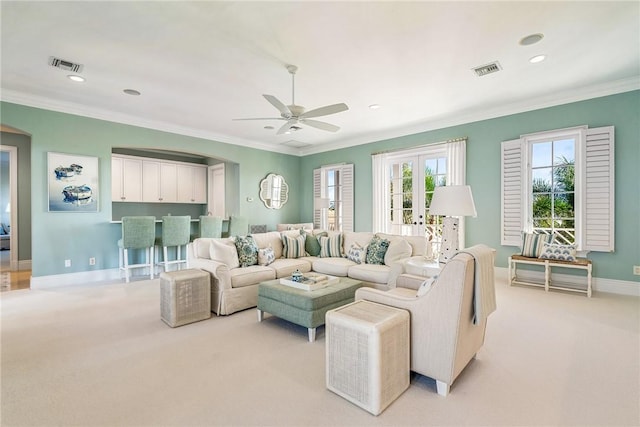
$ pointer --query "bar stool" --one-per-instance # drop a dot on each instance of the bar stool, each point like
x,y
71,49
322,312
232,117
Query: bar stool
x,y
238,226
210,226
138,232
176,231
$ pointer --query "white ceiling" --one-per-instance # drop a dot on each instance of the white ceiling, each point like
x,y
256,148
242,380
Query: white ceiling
x,y
199,65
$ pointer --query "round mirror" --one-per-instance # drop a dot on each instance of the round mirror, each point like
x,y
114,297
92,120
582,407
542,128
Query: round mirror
x,y
274,191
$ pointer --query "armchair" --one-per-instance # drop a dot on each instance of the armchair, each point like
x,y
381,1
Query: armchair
x,y
444,337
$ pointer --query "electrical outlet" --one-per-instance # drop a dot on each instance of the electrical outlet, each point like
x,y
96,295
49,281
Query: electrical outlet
x,y
67,263
92,261
636,270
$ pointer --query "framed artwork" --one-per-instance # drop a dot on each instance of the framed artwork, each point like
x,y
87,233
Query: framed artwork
x,y
73,183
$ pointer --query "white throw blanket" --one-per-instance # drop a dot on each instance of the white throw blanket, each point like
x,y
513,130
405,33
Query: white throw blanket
x,y
484,292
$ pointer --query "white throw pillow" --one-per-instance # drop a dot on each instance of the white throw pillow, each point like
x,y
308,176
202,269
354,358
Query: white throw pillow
x,y
266,256
426,286
398,249
224,253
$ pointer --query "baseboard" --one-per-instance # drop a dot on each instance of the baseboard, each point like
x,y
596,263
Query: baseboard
x,y
599,284
74,279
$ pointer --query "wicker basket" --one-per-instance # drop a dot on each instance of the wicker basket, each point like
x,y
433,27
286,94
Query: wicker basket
x,y
367,354
185,297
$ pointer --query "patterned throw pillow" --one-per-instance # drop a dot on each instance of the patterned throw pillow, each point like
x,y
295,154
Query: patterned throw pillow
x,y
311,244
331,246
533,244
247,251
266,256
293,246
377,250
356,253
559,252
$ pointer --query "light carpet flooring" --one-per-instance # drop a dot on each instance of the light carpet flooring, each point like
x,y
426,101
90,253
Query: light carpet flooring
x,y
99,355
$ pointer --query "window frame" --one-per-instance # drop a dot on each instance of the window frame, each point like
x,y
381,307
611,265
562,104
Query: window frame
x,y
593,191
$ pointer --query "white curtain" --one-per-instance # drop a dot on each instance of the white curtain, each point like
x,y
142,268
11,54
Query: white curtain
x,y
380,197
456,174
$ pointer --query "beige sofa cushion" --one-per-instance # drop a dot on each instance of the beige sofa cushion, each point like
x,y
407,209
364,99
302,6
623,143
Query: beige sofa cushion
x,y
202,246
271,238
332,266
361,238
418,243
398,249
251,275
285,266
370,273
224,252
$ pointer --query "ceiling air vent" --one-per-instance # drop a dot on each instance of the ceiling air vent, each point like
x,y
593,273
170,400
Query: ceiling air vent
x,y
65,65
483,70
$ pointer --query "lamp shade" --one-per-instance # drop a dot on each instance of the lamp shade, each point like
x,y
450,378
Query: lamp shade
x,y
321,203
453,200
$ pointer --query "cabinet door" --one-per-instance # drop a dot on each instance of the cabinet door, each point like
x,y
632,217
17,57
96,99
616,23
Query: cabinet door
x,y
168,182
151,182
116,179
185,184
200,185
126,175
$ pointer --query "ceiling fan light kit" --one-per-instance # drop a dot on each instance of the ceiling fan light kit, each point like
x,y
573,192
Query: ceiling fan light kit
x,y
296,115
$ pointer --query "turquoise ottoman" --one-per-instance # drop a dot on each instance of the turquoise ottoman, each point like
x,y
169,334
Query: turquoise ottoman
x,y
304,308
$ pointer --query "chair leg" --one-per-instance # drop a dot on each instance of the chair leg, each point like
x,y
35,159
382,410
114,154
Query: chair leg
x,y
126,264
151,264
166,258
443,388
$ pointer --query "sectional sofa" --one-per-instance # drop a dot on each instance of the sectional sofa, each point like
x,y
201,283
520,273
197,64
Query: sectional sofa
x,y
235,287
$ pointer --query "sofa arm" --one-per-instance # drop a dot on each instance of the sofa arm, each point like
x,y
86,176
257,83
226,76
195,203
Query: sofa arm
x,y
219,272
396,269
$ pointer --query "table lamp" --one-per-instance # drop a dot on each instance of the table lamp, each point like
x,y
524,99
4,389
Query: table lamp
x,y
451,201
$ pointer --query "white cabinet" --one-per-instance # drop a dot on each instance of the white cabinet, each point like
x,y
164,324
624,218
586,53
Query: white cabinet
x,y
168,182
192,184
139,179
126,179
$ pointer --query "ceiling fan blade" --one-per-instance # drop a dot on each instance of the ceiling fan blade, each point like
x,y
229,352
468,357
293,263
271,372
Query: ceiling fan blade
x,y
263,118
325,111
285,127
321,125
284,110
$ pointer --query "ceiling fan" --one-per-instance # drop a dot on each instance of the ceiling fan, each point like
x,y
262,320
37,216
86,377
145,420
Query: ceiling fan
x,y
295,115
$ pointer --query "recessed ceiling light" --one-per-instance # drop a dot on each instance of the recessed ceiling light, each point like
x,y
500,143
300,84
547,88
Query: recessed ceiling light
x,y
131,92
75,78
269,127
374,106
537,58
531,39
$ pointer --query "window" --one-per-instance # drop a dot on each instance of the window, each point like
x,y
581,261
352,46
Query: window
x,y
560,183
334,183
403,185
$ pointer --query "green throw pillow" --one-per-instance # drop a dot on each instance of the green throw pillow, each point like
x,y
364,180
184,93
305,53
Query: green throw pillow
x,y
247,250
311,244
376,250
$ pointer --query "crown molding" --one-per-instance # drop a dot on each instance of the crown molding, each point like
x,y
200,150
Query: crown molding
x,y
100,114
531,104
557,98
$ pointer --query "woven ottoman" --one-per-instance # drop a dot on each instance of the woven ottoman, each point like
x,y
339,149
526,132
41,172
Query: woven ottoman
x,y
367,354
185,296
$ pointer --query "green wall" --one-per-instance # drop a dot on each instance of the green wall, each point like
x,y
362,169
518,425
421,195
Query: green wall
x,y
483,172
77,236
60,236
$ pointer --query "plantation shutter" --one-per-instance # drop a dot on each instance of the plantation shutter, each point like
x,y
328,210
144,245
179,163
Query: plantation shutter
x,y
599,190
346,173
317,193
512,193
